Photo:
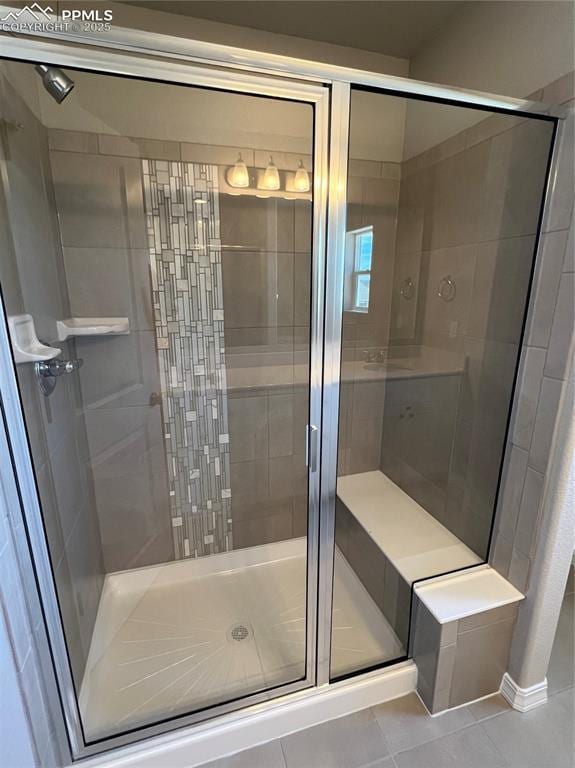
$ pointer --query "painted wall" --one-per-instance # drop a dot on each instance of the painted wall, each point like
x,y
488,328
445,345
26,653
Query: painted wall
x,y
16,745
31,732
252,39
505,48
509,48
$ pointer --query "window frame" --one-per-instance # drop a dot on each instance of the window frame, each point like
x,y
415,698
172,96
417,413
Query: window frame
x,y
353,240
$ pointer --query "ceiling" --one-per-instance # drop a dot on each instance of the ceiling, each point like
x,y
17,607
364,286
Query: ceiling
x,y
396,27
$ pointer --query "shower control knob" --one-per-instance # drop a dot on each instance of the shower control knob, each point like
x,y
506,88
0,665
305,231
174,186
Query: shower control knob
x,y
58,367
48,371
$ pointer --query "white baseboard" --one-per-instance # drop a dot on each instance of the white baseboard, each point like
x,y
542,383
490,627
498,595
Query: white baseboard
x,y
523,699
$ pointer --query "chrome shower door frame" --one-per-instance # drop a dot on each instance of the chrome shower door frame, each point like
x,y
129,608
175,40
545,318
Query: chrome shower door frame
x,y
106,62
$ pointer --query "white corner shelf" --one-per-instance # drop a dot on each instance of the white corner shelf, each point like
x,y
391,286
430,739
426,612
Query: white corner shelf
x,y
92,326
26,346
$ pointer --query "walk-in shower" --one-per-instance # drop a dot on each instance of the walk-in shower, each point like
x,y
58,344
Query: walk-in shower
x,y
165,228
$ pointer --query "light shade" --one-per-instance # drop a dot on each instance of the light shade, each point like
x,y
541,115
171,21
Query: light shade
x,y
238,175
271,179
301,179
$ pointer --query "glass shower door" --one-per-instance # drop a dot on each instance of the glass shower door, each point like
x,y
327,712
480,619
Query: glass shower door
x,y
162,245
443,216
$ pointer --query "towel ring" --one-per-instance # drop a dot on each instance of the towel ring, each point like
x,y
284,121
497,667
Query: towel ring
x,y
407,289
446,288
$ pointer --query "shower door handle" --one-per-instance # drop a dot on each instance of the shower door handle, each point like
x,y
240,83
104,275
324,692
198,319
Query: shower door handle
x,y
311,447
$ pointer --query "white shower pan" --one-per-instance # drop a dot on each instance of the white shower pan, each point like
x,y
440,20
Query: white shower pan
x,y
182,636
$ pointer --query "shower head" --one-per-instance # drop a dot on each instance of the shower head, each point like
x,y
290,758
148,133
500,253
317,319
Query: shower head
x,y
56,82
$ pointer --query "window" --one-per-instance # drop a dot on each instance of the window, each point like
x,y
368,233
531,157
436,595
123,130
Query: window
x,y
359,249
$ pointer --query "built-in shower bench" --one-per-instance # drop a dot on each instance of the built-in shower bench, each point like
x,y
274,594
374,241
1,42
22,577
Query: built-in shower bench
x,y
410,538
455,620
391,542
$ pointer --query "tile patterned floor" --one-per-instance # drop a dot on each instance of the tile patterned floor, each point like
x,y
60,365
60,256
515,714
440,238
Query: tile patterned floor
x,y
399,734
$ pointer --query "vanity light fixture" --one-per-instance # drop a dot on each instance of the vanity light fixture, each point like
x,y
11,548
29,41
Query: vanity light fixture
x,y
271,177
301,179
238,175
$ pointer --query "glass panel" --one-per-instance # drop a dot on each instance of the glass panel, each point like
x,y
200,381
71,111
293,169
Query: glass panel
x,y
453,197
171,464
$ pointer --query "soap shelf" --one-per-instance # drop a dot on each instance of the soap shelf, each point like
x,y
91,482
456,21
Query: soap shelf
x,y
25,344
92,326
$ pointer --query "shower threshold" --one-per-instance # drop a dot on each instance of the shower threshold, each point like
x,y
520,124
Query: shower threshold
x,y
186,635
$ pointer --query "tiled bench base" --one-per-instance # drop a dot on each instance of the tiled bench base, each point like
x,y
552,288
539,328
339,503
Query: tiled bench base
x,y
458,626
386,587
460,648
391,542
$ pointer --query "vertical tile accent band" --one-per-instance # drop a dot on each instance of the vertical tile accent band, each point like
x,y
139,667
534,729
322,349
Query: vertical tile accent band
x,y
183,226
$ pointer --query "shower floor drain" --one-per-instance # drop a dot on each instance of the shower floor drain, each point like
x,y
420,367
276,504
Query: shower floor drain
x,y
240,632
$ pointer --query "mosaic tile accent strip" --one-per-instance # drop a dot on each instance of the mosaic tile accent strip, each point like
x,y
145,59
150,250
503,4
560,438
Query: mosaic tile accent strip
x,y
183,225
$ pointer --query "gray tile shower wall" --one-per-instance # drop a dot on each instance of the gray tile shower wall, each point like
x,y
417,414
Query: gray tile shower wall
x,y
266,275
106,258
468,211
269,477
373,194
417,439
462,660
32,272
544,355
